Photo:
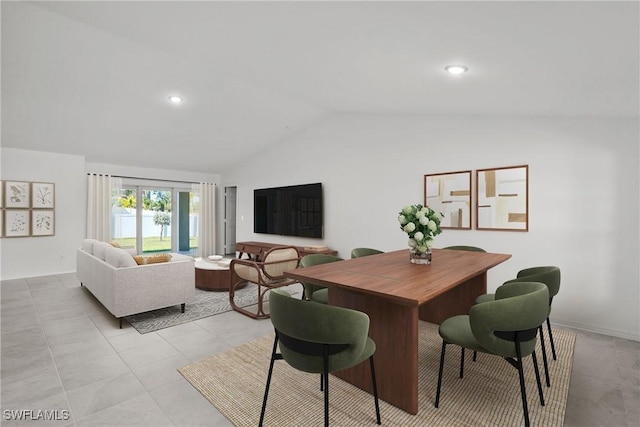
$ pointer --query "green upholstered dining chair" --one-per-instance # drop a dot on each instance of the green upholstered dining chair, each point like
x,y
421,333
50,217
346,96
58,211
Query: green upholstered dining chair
x,y
465,248
319,338
506,327
360,252
314,292
550,276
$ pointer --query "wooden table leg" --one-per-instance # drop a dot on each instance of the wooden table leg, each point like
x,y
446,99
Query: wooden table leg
x,y
455,301
394,328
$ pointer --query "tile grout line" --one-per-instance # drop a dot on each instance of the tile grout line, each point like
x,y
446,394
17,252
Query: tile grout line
x,y
46,337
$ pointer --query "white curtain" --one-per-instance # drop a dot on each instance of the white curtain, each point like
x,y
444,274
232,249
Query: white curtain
x,y
207,218
101,192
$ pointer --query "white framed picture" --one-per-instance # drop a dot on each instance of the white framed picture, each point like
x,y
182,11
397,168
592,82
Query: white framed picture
x,y
42,195
16,194
17,223
450,194
42,222
1,196
502,198
1,223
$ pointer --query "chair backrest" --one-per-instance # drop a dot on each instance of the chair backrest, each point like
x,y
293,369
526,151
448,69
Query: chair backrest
x,y
317,323
317,259
360,252
280,259
465,248
518,307
311,260
549,275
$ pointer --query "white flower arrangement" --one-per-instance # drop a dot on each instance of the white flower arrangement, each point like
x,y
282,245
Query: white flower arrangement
x,y
422,224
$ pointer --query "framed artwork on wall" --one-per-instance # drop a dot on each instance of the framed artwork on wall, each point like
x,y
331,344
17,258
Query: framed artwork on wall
x,y
1,195
502,198
17,223
1,223
42,195
16,194
450,193
42,222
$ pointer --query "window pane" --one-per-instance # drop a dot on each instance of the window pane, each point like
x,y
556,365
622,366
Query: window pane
x,y
123,218
187,223
156,220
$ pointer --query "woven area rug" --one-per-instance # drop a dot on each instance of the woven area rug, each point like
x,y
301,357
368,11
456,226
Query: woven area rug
x,y
489,394
204,304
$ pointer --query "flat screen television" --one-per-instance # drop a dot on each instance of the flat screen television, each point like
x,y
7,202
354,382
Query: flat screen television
x,y
295,210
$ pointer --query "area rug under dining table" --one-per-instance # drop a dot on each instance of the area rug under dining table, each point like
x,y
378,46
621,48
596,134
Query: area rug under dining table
x,y
488,395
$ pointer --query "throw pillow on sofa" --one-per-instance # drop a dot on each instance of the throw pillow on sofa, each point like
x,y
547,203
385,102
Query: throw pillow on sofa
x,y
118,258
152,259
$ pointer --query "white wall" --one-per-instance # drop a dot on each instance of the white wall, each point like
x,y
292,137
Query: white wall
x,y
38,256
151,174
583,195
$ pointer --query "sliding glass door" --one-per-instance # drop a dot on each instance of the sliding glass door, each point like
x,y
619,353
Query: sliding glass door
x,y
152,219
123,219
156,220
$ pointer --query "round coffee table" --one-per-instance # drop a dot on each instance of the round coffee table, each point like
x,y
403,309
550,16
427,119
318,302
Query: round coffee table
x,y
212,275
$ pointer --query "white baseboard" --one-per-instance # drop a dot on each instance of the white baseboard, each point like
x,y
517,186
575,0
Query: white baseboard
x,y
598,330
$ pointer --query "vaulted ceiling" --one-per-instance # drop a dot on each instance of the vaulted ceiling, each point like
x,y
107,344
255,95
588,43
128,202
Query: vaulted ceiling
x,y
93,78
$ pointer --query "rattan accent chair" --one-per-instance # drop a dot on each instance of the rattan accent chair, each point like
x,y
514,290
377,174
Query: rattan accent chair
x,y
266,275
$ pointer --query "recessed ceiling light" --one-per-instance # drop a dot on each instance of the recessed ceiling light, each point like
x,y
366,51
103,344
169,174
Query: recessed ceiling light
x,y
456,69
175,99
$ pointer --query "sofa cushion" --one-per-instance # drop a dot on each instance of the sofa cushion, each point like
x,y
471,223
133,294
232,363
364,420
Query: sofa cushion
x,y
131,251
87,245
118,258
99,248
152,259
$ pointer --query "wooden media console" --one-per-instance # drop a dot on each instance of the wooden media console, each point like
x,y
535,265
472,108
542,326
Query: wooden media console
x,y
255,250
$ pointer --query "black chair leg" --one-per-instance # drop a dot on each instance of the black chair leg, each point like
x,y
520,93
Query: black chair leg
x,y
266,390
444,346
537,371
544,357
461,362
475,355
523,391
326,387
375,390
553,347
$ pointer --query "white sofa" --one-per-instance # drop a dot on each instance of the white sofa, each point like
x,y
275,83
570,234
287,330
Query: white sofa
x,y
125,288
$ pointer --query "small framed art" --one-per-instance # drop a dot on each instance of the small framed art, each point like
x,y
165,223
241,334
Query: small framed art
x,y
16,194
17,223
42,195
450,194
502,198
42,222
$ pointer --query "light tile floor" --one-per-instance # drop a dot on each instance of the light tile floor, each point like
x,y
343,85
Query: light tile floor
x,y
62,351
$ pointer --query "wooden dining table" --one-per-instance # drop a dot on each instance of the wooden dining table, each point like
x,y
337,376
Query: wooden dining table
x,y
395,294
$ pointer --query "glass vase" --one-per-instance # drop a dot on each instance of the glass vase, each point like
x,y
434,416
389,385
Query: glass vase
x,y
420,258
